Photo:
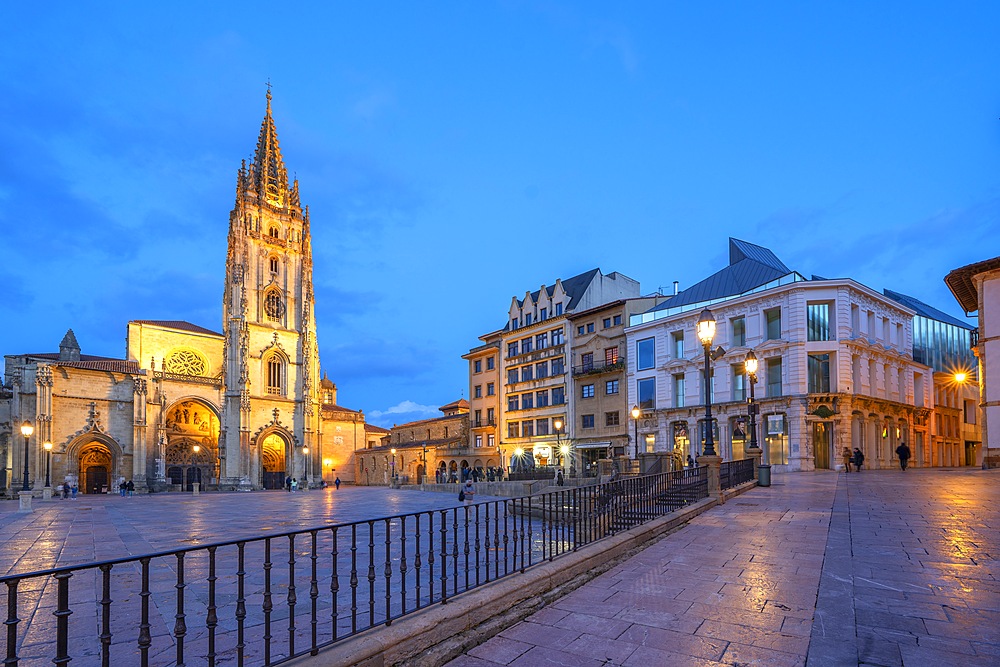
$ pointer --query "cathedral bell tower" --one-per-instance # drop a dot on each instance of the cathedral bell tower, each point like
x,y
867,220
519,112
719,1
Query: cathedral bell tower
x,y
271,400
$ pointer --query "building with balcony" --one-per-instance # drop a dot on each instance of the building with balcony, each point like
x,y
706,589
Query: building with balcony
x,y
836,367
536,347
484,396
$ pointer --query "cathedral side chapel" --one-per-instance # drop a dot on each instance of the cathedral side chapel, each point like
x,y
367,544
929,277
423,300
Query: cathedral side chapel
x,y
242,409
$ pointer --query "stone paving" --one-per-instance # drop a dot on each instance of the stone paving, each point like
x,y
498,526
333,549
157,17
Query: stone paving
x,y
876,568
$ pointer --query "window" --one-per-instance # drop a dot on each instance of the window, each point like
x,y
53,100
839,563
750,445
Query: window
x,y
479,441
590,327
559,310
490,364
527,373
819,373
491,440
477,366
542,341
490,416
527,401
679,390
772,317
275,371
579,330
557,336
587,361
871,324
739,383
611,356
774,377
607,323
273,232
511,376
274,264
527,319
513,430
558,396
646,389
479,418
544,314
513,324
274,306
477,391
739,331
611,387
527,429
818,321
512,349
557,366
645,353
513,403
541,426
618,320
490,389
526,346
611,418
677,338
542,370
542,398
587,391
587,421
855,320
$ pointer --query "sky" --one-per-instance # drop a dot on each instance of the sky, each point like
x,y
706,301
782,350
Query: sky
x,y
457,154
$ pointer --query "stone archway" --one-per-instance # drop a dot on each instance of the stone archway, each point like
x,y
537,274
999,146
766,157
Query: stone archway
x,y
273,458
191,454
97,467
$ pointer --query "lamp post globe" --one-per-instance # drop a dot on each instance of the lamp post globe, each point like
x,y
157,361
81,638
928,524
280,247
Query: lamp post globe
x,y
26,430
706,334
636,413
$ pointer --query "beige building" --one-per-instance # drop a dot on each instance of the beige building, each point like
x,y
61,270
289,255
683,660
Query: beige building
x,y
484,396
238,409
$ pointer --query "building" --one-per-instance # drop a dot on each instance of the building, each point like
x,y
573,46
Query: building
x,y
242,408
484,398
836,367
977,289
537,347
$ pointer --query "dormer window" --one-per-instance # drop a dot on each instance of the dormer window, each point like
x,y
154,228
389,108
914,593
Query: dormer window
x,y
559,310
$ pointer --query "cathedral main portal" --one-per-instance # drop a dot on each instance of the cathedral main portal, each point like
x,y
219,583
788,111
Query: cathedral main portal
x,y
272,457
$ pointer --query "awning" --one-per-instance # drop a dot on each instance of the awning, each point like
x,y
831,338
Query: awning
x,y
592,445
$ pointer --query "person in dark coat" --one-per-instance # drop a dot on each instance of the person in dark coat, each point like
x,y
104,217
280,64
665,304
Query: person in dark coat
x,y
859,459
903,452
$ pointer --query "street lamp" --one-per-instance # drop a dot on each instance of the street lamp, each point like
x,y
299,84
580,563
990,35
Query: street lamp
x,y
26,430
706,334
305,453
636,413
393,450
48,464
764,468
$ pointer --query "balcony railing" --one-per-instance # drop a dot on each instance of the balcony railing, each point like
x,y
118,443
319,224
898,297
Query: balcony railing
x,y
269,599
483,423
595,369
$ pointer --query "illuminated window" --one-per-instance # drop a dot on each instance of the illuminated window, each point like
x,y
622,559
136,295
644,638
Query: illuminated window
x,y
273,232
274,370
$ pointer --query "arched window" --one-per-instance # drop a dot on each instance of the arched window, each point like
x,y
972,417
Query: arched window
x,y
274,264
273,232
185,362
274,306
274,375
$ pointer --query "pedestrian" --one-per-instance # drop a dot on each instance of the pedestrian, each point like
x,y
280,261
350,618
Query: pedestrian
x,y
59,490
74,490
690,461
130,488
295,484
846,454
122,486
559,478
336,484
288,484
859,459
65,490
903,452
468,492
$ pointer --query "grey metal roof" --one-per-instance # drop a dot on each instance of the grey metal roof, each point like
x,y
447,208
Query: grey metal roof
x,y
924,310
749,266
575,287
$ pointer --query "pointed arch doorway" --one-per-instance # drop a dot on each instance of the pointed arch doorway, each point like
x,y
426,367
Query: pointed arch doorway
x,y
96,465
272,458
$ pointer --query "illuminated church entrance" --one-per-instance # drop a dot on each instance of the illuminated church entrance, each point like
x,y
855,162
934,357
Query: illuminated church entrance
x,y
272,457
192,452
95,468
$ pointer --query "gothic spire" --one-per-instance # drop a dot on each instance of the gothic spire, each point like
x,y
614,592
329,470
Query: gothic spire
x,y
268,174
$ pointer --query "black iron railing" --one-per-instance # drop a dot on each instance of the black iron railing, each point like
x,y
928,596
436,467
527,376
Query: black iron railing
x,y
265,600
734,473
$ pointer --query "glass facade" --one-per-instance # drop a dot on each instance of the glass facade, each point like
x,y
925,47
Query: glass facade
x,y
646,389
944,347
818,321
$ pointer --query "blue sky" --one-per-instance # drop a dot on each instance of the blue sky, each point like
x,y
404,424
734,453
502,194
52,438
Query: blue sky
x,y
456,154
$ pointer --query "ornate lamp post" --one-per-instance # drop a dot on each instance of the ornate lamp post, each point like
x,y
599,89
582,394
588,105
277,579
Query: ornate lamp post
x,y
557,426
393,474
48,465
636,413
750,365
26,430
305,453
706,334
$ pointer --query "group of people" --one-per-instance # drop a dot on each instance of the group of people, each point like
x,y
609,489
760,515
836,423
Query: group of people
x,y
469,474
126,488
65,489
857,458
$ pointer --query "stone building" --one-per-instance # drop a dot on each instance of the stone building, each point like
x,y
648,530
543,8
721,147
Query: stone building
x,y
238,409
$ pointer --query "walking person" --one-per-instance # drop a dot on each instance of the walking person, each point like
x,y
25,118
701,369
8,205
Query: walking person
x,y
903,452
846,455
468,492
336,484
130,488
859,459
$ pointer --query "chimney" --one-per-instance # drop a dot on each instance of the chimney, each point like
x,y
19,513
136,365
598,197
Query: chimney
x,y
677,287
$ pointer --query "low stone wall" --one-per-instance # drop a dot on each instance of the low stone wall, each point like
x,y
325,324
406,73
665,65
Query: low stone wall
x,y
435,635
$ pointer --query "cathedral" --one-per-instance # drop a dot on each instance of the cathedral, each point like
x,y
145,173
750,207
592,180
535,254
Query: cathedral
x,y
243,408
